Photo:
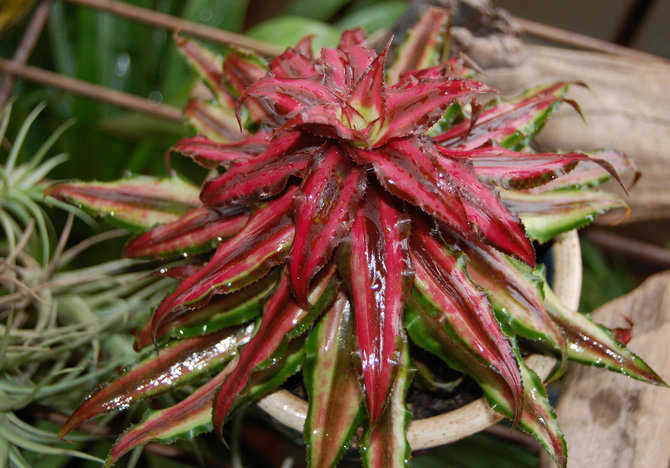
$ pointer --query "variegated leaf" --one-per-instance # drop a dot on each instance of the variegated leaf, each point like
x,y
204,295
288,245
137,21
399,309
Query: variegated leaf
x,y
283,319
385,443
222,311
324,212
378,272
265,175
212,121
590,343
135,203
424,45
536,416
239,261
335,396
462,310
210,153
162,371
547,214
197,231
517,298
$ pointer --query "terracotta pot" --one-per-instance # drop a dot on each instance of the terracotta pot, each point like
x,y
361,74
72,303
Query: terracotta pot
x,y
473,417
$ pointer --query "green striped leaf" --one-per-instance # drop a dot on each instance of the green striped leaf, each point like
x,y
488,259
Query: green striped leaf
x,y
134,203
335,395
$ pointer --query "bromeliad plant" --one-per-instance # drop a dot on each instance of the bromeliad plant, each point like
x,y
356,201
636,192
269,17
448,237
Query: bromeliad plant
x,y
355,205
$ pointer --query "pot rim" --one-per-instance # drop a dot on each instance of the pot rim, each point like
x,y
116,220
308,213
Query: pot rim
x,y
475,416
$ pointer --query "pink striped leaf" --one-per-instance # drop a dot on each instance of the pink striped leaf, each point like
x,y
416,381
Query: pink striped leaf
x,y
264,176
592,344
413,107
378,272
324,211
514,170
242,68
517,298
536,416
197,231
385,443
424,45
210,153
510,123
212,121
283,320
545,215
208,65
238,262
171,366
222,311
134,203
359,56
335,396
461,308
409,173
293,63
337,71
593,175
286,97
367,98
494,222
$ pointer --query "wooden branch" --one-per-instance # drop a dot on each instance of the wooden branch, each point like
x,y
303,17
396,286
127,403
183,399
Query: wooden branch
x,y
90,90
25,47
582,41
173,23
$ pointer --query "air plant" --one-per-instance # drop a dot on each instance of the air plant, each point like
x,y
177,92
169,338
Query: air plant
x,y
55,320
358,200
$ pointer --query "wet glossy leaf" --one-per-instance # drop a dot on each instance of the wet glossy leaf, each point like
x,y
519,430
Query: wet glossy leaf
x,y
385,443
590,343
210,153
324,212
283,319
335,396
196,231
162,371
378,272
547,214
135,203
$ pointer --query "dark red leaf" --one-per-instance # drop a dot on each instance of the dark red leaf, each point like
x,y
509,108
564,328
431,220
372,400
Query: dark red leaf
x,y
379,274
211,153
239,261
283,318
196,231
324,212
264,176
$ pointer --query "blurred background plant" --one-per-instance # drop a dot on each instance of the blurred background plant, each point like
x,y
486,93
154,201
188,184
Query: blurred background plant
x,y
66,307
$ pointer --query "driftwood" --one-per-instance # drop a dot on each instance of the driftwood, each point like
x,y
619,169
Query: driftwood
x,y
627,107
609,420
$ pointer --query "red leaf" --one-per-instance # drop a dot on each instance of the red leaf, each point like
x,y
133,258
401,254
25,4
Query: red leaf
x,y
211,153
160,372
511,169
213,122
264,176
198,230
408,172
424,45
293,63
367,96
282,318
464,310
242,69
324,213
239,261
286,97
379,274
413,106
486,213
